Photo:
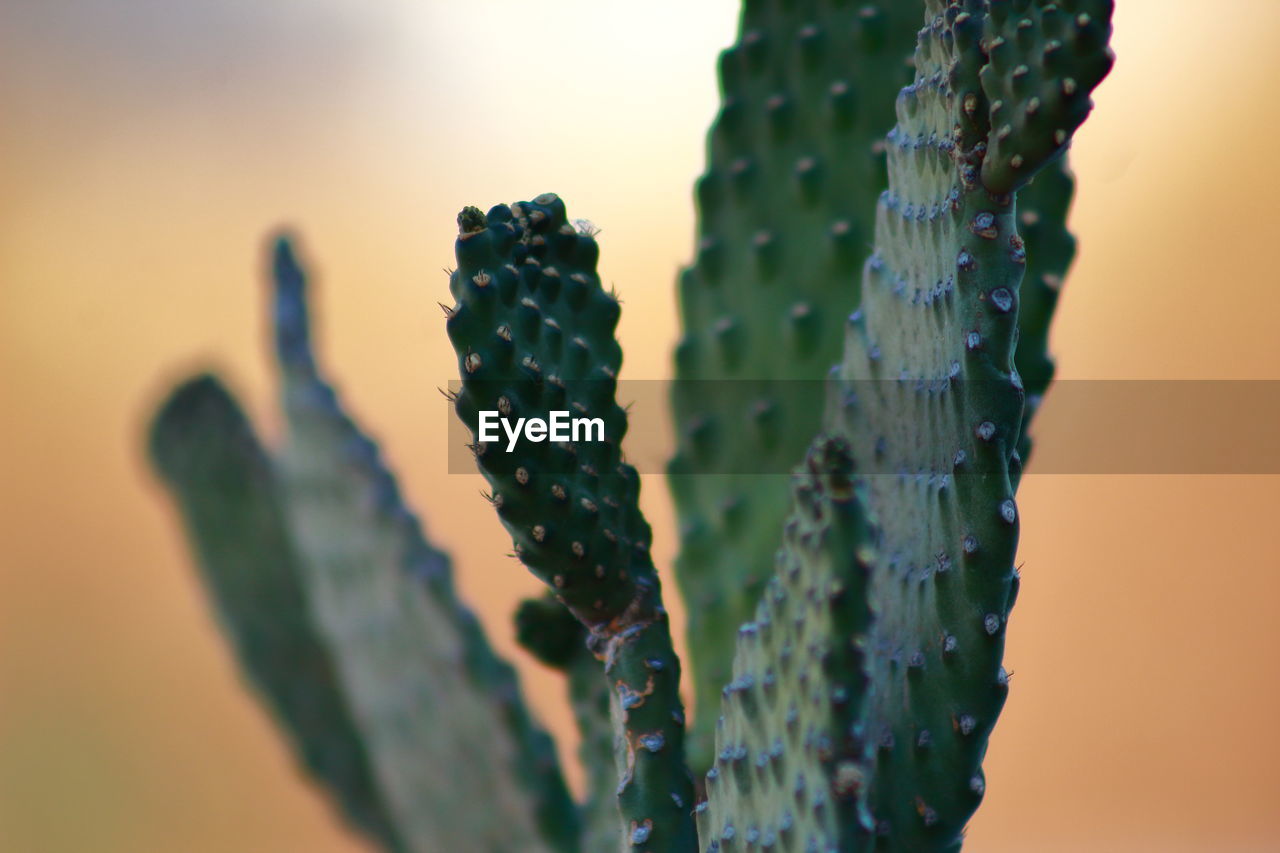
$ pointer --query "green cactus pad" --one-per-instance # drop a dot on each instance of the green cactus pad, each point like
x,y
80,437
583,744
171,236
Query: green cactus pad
x,y
1043,60
795,161
534,334
791,769
932,403
439,712
226,490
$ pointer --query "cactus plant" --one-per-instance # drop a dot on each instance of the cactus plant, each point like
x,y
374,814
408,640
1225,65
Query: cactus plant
x,y
347,620
795,161
848,621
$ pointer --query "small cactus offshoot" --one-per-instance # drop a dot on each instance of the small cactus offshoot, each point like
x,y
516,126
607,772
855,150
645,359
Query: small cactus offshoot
x,y
881,242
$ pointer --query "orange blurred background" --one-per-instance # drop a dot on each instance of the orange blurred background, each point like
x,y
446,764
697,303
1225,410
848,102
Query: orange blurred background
x,y
147,146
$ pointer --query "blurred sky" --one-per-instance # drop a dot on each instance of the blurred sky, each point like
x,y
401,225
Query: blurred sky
x,y
148,146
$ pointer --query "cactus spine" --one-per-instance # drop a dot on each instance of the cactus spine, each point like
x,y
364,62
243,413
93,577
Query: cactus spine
x,y
850,630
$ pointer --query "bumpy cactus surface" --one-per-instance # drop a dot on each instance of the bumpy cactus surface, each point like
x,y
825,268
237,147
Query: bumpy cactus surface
x,y
534,334
847,621
795,161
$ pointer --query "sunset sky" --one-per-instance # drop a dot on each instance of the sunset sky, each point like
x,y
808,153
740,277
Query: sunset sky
x,y
148,147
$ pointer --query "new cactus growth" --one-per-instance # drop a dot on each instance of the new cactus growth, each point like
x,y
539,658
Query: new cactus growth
x,y
847,622
534,334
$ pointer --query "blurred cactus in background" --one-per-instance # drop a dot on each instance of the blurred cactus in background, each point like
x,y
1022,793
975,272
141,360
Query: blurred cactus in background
x,y
847,623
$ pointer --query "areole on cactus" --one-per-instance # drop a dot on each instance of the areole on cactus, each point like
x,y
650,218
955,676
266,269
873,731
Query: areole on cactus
x,y
885,200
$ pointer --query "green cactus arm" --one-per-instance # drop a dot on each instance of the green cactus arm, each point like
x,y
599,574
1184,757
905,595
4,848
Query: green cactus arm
x,y
1042,222
932,403
1043,59
461,762
205,451
552,634
534,334
795,161
791,768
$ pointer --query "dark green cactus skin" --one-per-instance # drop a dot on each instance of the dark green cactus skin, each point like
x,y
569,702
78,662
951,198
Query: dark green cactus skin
x,y
791,770
548,631
1042,222
218,474
533,331
405,635
1043,60
795,162
932,403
